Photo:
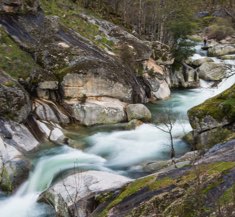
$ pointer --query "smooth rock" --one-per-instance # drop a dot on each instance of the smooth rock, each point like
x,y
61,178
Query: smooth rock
x,y
18,136
220,153
163,92
52,131
228,57
102,111
186,159
133,124
80,85
210,71
221,50
199,62
139,112
49,111
69,194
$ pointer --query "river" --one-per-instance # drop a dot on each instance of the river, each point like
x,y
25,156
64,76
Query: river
x,y
110,149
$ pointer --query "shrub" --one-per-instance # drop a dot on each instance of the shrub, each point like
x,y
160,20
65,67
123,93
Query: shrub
x,y
220,29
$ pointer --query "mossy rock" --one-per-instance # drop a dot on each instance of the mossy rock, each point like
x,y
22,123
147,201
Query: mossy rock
x,y
220,108
172,194
14,100
212,137
14,61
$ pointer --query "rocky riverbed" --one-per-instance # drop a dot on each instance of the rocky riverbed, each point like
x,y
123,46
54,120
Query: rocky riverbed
x,y
105,75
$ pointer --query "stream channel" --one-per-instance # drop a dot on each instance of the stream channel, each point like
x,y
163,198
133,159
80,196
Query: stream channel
x,y
109,148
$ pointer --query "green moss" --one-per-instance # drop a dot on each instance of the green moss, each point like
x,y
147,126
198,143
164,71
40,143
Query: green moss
x,y
228,196
5,181
193,202
129,190
188,202
211,186
219,107
162,183
104,197
9,84
13,60
68,12
221,135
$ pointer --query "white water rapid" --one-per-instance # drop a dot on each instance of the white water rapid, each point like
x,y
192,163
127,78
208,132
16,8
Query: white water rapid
x,y
116,151
23,203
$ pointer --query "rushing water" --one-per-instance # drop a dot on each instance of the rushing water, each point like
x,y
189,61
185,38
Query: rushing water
x,y
117,151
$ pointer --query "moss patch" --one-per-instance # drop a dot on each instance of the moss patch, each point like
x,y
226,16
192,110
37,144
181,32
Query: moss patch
x,y
5,181
68,12
13,60
228,196
185,184
219,107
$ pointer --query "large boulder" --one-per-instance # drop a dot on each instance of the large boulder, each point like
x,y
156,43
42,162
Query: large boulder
x,y
210,71
14,100
139,112
221,50
99,111
80,85
18,136
15,142
213,120
13,167
198,62
163,92
155,78
215,112
71,196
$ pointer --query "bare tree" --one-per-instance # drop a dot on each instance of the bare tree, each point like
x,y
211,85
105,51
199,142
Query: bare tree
x,y
165,123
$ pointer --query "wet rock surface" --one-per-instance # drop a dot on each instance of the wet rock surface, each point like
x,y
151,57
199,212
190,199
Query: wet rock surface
x,y
73,195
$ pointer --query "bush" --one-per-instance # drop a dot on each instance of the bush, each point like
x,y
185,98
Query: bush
x,y
220,29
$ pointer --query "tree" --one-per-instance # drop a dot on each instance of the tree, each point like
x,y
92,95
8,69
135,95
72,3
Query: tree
x,y
165,123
